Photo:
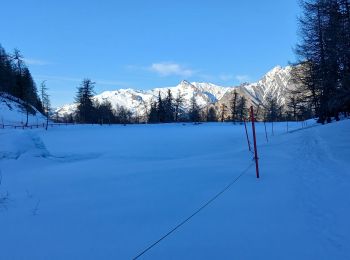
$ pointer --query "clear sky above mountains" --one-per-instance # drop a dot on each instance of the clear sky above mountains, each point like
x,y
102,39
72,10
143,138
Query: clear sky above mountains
x,y
146,44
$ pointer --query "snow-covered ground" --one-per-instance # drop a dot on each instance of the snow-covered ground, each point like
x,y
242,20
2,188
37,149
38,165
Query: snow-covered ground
x,y
12,112
108,192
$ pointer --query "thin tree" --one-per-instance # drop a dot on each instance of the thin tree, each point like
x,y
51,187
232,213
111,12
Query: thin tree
x,y
223,111
178,105
161,109
211,115
29,93
153,113
169,107
45,100
273,109
194,112
292,105
234,106
242,108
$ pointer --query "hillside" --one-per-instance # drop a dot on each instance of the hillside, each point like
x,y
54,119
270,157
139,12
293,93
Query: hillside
x,y
276,83
112,196
13,112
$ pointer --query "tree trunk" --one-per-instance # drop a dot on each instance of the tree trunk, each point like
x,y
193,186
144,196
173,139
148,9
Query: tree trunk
x,y
27,117
47,121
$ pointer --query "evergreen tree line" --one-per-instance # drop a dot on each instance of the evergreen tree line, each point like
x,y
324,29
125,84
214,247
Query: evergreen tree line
x,y
323,73
168,109
238,110
171,109
16,80
293,110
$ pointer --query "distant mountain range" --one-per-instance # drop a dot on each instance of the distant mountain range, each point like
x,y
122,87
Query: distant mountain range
x,y
276,83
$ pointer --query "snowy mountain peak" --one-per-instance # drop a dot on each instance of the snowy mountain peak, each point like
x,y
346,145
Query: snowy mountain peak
x,y
276,83
278,71
275,70
185,82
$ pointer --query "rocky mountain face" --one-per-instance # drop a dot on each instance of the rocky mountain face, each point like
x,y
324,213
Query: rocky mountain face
x,y
276,83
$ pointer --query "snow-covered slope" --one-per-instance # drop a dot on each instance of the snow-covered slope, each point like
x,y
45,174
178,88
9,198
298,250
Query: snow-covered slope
x,y
12,112
277,83
108,192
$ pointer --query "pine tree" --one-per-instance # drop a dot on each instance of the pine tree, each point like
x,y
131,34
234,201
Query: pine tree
x,y
194,112
161,109
343,95
7,76
242,109
29,93
19,88
105,112
223,111
178,106
234,106
307,90
169,107
45,100
273,109
292,105
85,109
123,115
211,115
153,113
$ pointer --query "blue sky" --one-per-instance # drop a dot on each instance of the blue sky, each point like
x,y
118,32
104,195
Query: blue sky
x,y
146,44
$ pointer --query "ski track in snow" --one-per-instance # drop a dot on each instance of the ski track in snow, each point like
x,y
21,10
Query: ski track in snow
x,y
314,154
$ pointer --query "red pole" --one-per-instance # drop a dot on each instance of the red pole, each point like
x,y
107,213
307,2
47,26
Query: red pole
x,y
255,146
246,132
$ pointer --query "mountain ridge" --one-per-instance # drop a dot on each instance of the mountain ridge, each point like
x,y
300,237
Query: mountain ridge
x,y
277,83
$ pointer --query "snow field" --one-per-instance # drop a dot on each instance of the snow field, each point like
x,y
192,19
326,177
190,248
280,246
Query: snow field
x,y
92,192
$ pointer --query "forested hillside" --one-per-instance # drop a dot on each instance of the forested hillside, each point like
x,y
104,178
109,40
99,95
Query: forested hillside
x,y
323,73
